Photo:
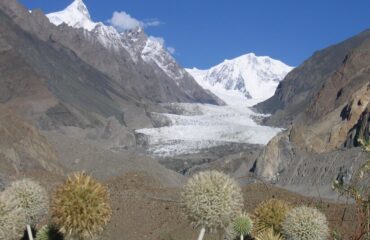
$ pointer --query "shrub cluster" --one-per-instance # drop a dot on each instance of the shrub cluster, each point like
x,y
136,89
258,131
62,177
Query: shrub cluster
x,y
80,207
12,219
243,224
48,232
268,234
32,199
270,215
80,210
305,223
212,200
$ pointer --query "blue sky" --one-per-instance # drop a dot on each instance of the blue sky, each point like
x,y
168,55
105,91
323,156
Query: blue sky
x,y
205,32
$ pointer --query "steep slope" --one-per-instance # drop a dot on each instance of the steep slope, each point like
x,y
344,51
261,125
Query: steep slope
x,y
23,148
249,76
157,76
41,76
325,103
296,92
126,87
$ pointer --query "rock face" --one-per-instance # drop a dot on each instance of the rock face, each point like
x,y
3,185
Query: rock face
x,y
324,104
46,82
327,71
22,148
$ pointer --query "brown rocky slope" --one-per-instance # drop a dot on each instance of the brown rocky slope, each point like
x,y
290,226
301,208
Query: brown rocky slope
x,y
324,105
23,148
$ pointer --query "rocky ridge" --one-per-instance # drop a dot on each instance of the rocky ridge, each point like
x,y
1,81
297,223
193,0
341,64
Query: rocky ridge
x,y
324,104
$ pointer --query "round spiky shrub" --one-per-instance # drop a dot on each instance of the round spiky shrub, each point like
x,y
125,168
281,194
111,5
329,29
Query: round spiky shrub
x,y
12,219
80,207
269,234
212,200
270,214
31,198
48,233
242,224
305,223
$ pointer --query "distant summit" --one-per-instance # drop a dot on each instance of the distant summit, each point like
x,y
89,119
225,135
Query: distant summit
x,y
248,76
75,15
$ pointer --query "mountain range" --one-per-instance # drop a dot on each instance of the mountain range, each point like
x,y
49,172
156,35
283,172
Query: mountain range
x,y
123,73
77,90
135,41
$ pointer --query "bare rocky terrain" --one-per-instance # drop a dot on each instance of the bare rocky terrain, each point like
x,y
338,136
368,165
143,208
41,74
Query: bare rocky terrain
x,y
324,104
64,110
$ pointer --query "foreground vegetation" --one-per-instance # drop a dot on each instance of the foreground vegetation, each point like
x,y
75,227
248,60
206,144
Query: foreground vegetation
x,y
213,202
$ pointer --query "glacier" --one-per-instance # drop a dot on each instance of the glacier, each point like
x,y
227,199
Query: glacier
x,y
241,83
206,127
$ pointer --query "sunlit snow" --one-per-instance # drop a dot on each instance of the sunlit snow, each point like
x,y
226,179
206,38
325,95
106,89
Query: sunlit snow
x,y
214,126
241,83
251,76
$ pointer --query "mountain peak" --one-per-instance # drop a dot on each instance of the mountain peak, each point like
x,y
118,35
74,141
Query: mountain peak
x,y
250,55
255,77
79,6
75,15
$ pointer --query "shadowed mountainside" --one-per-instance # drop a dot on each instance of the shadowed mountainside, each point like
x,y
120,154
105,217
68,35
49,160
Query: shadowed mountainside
x,y
325,105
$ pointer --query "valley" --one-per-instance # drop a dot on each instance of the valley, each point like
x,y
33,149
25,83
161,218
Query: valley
x,y
200,127
80,95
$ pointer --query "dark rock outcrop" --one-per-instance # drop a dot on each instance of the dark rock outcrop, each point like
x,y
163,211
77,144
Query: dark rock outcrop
x,y
321,83
324,104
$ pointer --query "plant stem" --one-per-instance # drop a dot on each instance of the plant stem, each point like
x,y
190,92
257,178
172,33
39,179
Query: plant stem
x,y
29,231
201,234
242,237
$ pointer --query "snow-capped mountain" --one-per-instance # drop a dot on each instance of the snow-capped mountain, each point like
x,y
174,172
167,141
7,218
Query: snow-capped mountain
x,y
151,50
75,15
135,41
245,77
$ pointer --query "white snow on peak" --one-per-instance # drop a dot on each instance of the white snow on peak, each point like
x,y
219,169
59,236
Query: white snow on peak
x,y
75,15
245,77
154,50
135,41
